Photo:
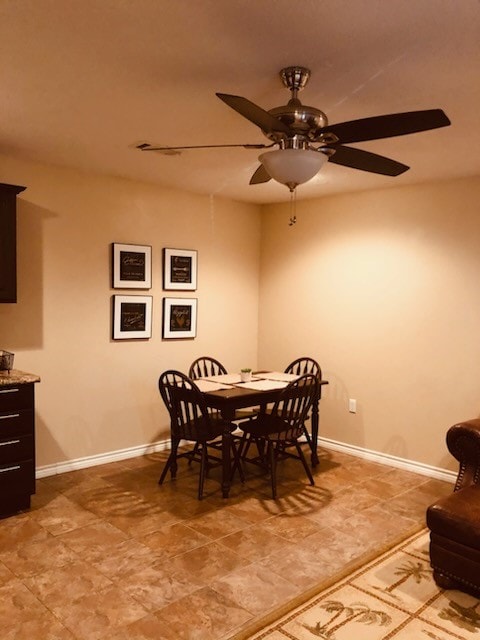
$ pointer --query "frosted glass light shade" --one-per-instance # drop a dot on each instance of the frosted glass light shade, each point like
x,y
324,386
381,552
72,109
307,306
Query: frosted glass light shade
x,y
293,166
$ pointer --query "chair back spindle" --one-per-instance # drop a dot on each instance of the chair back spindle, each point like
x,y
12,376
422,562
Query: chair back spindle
x,y
304,365
206,366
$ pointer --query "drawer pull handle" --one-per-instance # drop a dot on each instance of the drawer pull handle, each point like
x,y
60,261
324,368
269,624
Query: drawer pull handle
x,y
15,468
9,442
10,415
9,390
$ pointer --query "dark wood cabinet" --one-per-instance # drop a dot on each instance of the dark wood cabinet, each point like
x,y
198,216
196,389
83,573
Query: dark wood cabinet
x,y
17,447
8,241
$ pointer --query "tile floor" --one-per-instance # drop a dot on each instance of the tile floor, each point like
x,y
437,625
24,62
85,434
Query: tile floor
x,y
107,553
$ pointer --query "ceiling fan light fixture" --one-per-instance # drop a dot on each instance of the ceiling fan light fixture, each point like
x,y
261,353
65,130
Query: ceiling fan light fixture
x,y
292,167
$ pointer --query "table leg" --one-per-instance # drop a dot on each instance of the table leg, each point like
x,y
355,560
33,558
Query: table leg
x,y
315,411
228,415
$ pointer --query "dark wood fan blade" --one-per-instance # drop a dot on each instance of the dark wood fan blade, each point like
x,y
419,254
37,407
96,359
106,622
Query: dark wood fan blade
x,y
260,176
255,114
147,147
394,124
366,161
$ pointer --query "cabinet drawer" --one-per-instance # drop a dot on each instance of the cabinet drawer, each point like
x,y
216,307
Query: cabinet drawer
x,y
18,396
16,448
17,477
15,422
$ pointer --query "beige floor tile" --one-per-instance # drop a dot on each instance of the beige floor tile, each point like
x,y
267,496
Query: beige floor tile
x,y
256,589
211,616
61,514
125,557
29,559
380,488
96,614
209,562
291,526
374,526
18,605
256,542
150,627
175,539
5,575
93,541
60,586
44,626
18,530
217,524
159,584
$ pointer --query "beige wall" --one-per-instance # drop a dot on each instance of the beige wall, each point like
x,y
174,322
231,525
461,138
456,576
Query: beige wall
x,y
383,289
97,395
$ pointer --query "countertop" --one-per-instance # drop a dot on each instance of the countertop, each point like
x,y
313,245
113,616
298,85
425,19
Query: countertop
x,y
17,377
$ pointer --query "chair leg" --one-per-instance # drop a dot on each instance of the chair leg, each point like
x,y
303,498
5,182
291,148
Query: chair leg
x,y
237,463
271,453
308,438
245,443
263,455
203,469
171,462
193,453
304,462
167,466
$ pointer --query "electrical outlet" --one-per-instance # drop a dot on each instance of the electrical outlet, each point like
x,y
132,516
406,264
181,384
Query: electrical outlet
x,y
352,405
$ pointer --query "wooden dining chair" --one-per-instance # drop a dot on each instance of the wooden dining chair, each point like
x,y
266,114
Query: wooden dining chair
x,y
190,420
204,367
279,430
300,367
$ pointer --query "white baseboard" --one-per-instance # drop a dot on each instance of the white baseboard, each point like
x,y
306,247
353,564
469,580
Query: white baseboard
x,y
102,458
164,445
389,460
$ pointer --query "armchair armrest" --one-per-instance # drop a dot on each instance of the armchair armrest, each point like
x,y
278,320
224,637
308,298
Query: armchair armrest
x,y
463,442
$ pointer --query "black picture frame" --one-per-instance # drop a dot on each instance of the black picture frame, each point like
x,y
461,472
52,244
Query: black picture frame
x,y
132,317
179,318
131,266
180,269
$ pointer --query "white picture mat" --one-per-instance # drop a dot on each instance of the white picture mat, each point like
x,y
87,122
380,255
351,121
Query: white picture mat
x,y
118,301
168,303
146,250
167,275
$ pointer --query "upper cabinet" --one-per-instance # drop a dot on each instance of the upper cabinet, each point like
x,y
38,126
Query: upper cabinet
x,y
8,241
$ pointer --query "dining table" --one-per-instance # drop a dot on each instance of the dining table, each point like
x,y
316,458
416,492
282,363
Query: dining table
x,y
227,394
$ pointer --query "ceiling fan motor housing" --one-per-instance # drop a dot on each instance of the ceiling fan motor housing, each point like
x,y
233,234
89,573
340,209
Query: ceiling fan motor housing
x,y
304,121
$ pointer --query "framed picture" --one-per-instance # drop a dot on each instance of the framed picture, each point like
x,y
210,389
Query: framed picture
x,y
132,317
179,317
179,269
132,266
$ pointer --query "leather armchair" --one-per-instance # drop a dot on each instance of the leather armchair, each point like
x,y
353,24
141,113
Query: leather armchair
x,y
454,521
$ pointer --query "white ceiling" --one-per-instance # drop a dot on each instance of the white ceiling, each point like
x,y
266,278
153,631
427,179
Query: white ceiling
x,y
84,81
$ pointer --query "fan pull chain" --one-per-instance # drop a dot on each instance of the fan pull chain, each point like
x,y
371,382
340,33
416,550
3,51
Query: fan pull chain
x,y
293,207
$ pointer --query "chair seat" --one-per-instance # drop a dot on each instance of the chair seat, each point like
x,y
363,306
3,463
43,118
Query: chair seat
x,y
202,430
457,517
266,426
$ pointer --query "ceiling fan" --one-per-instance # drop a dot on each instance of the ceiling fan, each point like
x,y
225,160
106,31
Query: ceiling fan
x,y
305,140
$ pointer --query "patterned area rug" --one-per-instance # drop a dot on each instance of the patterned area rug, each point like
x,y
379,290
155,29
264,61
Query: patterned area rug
x,y
391,597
